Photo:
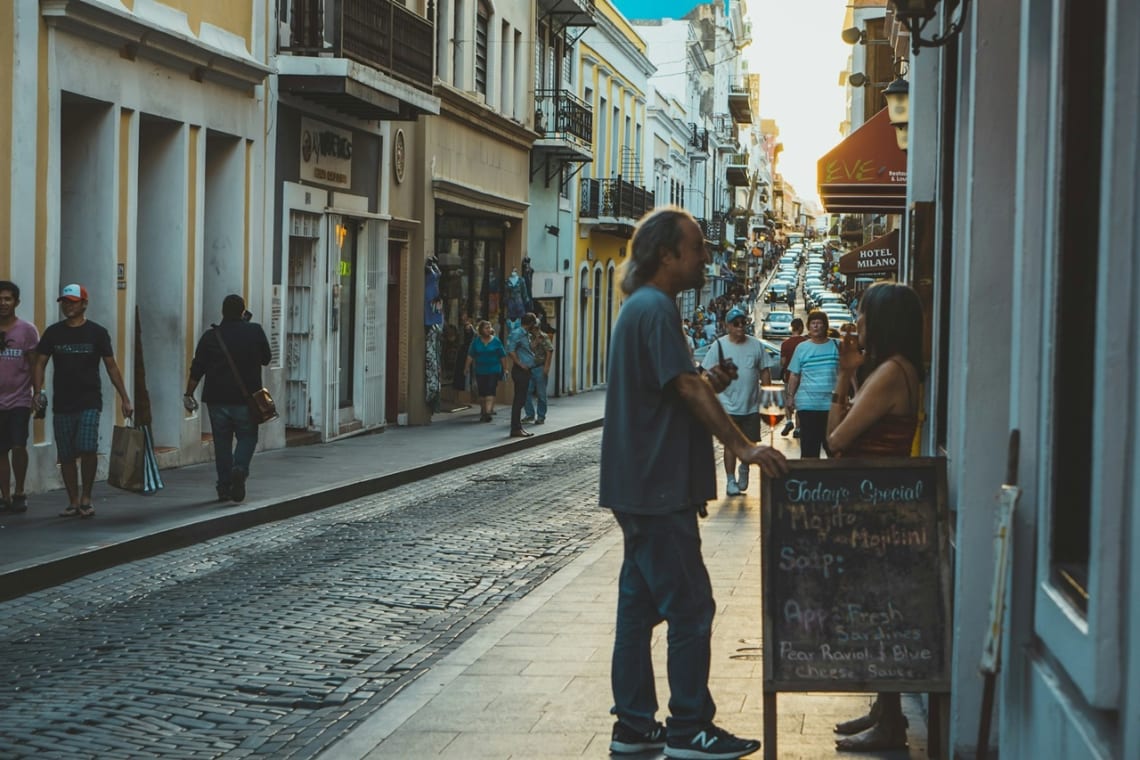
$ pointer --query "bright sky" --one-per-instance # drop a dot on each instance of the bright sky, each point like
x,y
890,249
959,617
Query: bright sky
x,y
797,50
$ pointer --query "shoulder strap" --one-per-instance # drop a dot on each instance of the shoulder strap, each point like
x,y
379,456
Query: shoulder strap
x,y
906,378
719,352
230,359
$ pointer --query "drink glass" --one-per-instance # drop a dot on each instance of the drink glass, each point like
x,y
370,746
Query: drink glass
x,y
772,407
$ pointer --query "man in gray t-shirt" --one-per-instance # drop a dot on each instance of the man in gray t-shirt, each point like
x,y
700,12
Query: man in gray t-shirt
x,y
657,473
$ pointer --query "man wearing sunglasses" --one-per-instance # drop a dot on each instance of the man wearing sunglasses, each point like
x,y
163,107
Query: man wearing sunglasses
x,y
741,399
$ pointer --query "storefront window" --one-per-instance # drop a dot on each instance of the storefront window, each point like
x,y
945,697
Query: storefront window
x,y
470,252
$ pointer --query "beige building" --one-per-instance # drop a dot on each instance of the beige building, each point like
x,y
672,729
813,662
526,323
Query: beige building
x,y
134,157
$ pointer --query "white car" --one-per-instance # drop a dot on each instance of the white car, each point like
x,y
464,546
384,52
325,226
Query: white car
x,y
778,325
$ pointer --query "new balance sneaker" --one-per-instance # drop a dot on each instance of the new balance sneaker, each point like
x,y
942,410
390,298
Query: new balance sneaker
x,y
628,741
731,489
710,743
742,477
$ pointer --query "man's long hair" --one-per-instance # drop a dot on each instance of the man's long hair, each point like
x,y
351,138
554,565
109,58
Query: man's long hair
x,y
657,232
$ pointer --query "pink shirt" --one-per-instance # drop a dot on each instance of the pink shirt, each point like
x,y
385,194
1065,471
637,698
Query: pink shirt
x,y
15,372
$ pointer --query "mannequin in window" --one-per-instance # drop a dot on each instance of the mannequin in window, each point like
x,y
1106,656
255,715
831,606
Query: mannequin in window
x,y
517,298
433,305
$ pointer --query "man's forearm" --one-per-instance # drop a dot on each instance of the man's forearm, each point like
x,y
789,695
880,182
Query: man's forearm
x,y
698,394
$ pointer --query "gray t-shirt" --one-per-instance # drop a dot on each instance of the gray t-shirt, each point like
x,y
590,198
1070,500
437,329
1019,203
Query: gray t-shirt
x,y
742,396
657,458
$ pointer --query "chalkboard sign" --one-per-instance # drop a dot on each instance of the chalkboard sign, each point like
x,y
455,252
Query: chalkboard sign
x,y
857,576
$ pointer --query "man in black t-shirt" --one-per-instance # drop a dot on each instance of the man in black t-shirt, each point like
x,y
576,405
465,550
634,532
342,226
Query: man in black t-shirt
x,y
77,345
226,396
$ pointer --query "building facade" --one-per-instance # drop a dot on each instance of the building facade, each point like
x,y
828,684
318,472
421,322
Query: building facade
x,y
1022,214
135,158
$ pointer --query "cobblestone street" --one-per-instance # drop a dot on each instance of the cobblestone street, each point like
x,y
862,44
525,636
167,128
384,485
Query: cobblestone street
x,y
274,641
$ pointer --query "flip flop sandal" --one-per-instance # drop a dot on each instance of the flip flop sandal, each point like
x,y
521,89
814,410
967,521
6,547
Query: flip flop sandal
x,y
86,510
71,511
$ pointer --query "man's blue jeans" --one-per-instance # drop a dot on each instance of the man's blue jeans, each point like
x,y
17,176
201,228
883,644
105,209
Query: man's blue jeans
x,y
663,577
230,421
537,389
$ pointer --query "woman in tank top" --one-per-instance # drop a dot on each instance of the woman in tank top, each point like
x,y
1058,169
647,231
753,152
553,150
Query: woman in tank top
x,y
882,367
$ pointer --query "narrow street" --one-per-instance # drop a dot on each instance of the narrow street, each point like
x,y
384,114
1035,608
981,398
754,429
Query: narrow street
x,y
274,641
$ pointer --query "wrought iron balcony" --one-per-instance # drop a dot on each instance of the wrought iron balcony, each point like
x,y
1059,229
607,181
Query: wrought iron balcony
x,y
698,139
565,124
736,170
580,13
724,130
739,103
615,199
378,34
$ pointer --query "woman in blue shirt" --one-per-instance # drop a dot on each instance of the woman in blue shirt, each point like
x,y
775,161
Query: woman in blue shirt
x,y
489,356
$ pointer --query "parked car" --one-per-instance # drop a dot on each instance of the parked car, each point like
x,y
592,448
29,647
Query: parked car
x,y
778,324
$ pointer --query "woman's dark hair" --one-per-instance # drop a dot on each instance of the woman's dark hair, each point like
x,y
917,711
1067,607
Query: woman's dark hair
x,y
892,325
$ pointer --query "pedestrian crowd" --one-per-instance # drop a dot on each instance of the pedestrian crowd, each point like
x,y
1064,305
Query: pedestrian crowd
x,y
77,347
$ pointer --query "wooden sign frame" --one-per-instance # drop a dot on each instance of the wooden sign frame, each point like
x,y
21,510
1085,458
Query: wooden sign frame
x,y
831,512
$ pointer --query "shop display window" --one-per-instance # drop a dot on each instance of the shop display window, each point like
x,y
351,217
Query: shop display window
x,y
470,251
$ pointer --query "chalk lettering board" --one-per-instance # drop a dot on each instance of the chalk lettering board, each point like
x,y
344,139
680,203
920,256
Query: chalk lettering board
x,y
856,576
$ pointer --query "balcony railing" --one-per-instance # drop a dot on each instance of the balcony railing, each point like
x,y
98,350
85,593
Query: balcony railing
x,y
698,138
377,33
559,115
614,198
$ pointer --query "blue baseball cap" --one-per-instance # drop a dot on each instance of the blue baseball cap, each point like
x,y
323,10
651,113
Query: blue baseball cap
x,y
735,313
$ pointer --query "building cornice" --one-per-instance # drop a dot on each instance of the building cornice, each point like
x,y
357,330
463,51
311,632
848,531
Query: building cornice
x,y
476,114
162,35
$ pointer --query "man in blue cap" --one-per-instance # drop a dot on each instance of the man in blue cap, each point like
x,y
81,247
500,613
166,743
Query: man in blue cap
x,y
741,399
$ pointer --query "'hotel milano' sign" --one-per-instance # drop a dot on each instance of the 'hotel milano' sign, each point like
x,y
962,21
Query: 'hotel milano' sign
x,y
879,257
326,154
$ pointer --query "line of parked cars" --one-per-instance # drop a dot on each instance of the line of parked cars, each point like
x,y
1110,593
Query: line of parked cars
x,y
816,293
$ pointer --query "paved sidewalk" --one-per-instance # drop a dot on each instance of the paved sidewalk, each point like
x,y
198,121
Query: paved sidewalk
x,y
40,549
533,682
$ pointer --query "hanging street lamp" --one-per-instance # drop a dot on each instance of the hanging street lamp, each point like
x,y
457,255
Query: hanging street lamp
x,y
915,14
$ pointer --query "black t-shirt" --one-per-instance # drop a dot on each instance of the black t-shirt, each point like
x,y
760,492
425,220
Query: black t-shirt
x,y
77,353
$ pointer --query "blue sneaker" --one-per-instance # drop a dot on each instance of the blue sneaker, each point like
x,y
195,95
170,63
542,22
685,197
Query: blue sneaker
x,y
628,741
710,743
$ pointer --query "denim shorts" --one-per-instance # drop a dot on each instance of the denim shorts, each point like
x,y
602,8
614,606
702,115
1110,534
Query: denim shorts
x,y
76,434
14,427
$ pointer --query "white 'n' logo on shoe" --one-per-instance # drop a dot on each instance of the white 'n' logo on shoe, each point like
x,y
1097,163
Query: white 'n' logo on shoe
x,y
704,740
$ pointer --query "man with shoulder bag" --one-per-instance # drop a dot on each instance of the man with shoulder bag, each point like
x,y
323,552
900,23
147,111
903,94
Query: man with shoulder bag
x,y
230,356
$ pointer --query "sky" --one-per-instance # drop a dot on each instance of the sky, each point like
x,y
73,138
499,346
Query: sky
x,y
797,50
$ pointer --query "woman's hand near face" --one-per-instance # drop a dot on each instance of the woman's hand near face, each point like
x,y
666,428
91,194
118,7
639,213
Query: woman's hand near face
x,y
850,355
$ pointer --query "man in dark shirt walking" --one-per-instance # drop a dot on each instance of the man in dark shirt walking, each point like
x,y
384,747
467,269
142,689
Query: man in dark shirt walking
x,y
76,345
657,473
227,405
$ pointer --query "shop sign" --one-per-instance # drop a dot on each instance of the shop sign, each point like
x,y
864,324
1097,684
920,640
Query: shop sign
x,y
326,154
880,255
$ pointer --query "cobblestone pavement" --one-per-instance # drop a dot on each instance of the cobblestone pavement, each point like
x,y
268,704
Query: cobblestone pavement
x,y
274,641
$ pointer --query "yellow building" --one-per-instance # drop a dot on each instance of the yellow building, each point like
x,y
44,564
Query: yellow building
x,y
612,195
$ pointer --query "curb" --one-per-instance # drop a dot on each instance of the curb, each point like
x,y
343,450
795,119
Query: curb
x,y
40,575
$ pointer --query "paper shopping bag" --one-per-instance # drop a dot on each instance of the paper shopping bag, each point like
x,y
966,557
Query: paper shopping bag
x,y
127,468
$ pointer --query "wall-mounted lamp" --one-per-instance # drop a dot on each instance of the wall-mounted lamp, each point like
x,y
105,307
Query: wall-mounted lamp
x,y
915,14
897,95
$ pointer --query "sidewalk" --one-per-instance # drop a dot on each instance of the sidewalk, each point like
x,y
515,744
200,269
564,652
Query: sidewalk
x,y
533,682
39,549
